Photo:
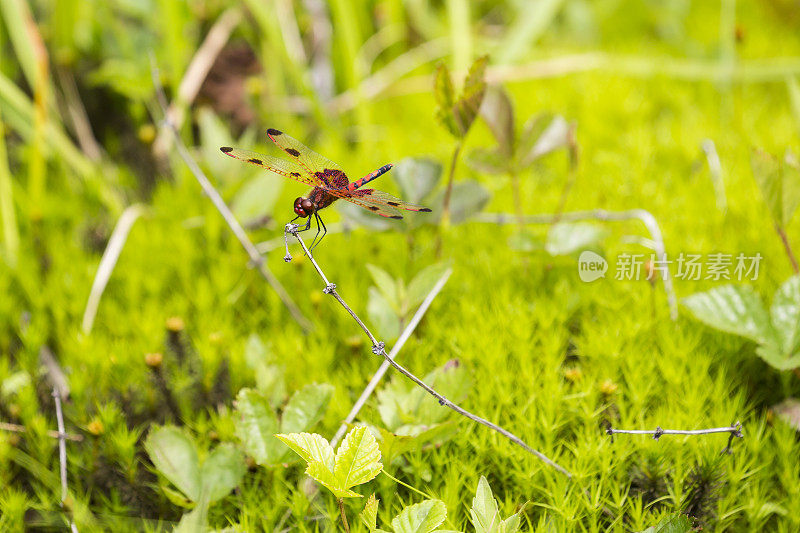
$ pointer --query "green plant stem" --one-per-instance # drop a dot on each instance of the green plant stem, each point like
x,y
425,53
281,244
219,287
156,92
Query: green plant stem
x,y
444,223
344,517
517,198
788,248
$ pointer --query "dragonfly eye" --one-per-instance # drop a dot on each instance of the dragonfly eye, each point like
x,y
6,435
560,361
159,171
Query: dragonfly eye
x,y
303,207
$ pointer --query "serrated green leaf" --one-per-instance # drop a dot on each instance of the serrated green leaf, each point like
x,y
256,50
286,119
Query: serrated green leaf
x,y
256,427
416,177
567,238
306,407
498,113
323,475
222,471
779,183
510,524
358,458
443,87
175,456
311,447
269,377
485,514
424,281
733,309
777,358
785,314
369,516
468,104
422,517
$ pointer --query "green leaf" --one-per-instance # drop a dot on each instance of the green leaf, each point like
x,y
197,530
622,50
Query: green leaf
x,y
175,455
362,217
386,284
777,358
733,309
779,182
222,471
567,238
489,161
311,447
468,104
789,411
443,92
269,377
358,458
306,407
257,197
467,198
256,427
498,113
485,513
785,313
196,520
554,137
325,477
424,281
422,517
370,513
416,177
674,523
382,315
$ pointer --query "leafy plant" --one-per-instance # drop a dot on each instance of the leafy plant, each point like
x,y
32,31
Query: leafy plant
x,y
738,309
356,462
673,523
458,114
392,301
517,151
422,517
258,421
176,457
779,181
485,514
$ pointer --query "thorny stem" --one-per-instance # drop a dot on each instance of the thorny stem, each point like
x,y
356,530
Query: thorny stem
x,y
378,348
788,248
255,258
642,215
344,517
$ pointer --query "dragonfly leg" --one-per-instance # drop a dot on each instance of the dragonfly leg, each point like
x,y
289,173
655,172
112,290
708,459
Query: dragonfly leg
x,y
320,225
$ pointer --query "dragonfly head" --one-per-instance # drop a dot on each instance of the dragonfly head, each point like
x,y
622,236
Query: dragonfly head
x,y
303,207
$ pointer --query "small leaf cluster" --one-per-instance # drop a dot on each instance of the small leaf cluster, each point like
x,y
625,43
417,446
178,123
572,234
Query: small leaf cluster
x,y
738,309
458,114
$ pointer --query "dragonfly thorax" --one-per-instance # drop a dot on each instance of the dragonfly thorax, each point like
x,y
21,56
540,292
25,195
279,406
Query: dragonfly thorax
x,y
303,207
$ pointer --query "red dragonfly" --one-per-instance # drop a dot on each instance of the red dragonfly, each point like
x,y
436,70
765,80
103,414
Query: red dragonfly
x,y
328,179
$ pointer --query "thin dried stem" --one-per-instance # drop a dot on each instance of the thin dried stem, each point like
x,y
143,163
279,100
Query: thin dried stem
x,y
404,336
16,428
255,258
378,348
109,260
344,516
62,453
735,430
645,217
788,248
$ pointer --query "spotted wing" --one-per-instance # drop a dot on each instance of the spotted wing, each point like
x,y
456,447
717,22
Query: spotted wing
x,y
379,202
326,171
273,164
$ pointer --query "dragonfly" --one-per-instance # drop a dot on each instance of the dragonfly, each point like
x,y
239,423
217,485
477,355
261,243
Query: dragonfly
x,y
328,179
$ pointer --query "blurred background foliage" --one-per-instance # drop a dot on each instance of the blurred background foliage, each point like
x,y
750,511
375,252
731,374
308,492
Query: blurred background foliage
x,y
620,92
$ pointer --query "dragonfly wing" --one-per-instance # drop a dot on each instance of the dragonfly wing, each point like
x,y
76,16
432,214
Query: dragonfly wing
x,y
273,164
379,202
326,171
